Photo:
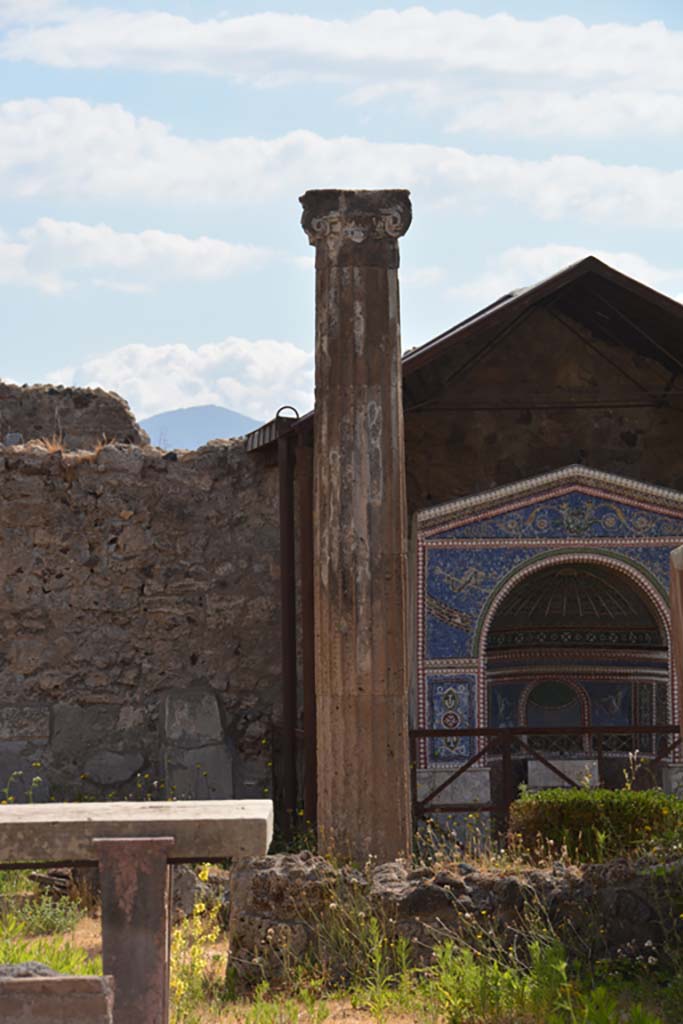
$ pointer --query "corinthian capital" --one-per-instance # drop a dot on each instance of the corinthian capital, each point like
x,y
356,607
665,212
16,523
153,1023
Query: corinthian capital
x,y
356,226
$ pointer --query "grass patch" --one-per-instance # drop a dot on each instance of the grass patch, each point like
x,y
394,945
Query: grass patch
x,y
16,947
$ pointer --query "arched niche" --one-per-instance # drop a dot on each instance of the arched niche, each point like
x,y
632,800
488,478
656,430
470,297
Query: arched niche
x,y
477,553
571,643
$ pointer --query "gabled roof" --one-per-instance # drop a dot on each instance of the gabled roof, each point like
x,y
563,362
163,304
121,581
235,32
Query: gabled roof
x,y
509,307
609,304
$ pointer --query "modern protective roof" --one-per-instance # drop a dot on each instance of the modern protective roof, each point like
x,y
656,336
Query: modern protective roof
x,y
612,306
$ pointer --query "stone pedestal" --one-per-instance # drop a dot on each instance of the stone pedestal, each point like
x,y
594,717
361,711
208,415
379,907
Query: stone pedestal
x,y
579,770
360,524
672,779
472,787
136,878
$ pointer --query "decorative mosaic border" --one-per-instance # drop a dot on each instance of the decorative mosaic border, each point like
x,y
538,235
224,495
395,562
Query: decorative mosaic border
x,y
551,485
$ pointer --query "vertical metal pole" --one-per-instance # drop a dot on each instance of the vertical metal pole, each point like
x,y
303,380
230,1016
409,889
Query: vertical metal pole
x,y
304,475
413,779
507,781
285,452
601,771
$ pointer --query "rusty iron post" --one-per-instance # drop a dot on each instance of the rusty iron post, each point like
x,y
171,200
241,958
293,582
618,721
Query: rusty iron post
x,y
136,893
506,781
304,463
360,536
285,451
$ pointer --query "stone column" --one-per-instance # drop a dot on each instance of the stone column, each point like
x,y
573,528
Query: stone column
x,y
676,601
672,779
360,536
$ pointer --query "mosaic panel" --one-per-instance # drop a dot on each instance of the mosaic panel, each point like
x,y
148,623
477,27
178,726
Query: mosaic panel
x,y
610,703
460,582
451,706
504,704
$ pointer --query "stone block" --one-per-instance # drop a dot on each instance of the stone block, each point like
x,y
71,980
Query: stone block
x,y
53,1000
80,732
580,770
30,722
202,773
672,781
191,718
107,768
472,787
77,730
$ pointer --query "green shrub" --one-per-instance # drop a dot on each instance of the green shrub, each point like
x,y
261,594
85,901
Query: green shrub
x,y
597,824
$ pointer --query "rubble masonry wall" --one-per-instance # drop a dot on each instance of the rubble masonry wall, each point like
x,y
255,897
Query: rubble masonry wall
x,y
139,619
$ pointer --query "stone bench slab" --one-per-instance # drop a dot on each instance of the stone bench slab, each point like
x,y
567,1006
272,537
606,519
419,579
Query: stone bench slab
x,y
201,829
74,1000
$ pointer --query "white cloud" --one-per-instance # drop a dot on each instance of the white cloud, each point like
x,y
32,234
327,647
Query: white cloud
x,y
14,269
598,114
35,12
53,255
413,38
422,277
548,76
521,266
67,147
251,377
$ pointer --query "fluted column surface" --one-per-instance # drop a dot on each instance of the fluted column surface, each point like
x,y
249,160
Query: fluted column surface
x,y
360,535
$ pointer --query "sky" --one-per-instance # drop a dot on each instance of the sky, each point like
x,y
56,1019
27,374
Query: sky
x,y
152,155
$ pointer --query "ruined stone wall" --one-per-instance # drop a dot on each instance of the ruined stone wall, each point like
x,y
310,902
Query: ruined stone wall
x,y
139,620
76,417
542,399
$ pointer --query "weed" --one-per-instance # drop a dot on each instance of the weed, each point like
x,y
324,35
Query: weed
x,y
12,883
46,915
52,444
192,984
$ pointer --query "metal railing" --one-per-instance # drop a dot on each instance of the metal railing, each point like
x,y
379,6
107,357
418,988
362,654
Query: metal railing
x,y
507,745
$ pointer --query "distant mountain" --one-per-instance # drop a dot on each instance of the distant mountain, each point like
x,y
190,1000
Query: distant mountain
x,y
191,428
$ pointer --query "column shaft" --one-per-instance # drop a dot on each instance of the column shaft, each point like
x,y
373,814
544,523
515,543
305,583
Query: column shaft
x,y
676,602
360,525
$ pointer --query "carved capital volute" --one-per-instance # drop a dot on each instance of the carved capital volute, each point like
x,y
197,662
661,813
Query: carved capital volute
x,y
356,227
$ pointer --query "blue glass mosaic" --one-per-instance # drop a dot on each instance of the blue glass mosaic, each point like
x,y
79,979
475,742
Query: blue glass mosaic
x,y
610,703
460,583
504,705
575,515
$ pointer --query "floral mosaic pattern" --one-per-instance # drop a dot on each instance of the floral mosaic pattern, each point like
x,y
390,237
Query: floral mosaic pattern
x,y
576,514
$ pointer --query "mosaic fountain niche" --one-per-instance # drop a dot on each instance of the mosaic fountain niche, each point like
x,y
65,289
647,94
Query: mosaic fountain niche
x,y
544,604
